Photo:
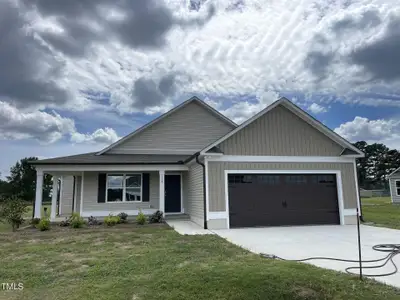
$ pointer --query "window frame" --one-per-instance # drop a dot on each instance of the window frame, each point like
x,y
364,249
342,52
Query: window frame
x,y
124,187
397,188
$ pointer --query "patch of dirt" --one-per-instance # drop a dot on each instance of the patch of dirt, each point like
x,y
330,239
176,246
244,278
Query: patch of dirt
x,y
306,293
183,264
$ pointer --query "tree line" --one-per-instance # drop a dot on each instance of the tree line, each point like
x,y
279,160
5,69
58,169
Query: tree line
x,y
373,170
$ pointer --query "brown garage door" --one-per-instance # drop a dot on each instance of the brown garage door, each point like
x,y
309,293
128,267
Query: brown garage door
x,y
282,199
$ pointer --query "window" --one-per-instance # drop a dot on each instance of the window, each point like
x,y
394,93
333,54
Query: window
x,y
240,178
323,179
397,185
124,187
296,179
268,179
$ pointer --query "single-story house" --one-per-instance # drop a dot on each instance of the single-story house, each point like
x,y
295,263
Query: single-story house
x,y
280,167
394,185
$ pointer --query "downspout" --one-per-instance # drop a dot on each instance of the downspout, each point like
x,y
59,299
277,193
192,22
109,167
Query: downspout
x,y
204,188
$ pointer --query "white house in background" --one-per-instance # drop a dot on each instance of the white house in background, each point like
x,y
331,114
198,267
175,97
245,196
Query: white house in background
x,y
394,184
280,167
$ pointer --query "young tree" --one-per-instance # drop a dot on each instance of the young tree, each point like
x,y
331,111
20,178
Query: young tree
x,y
22,180
12,211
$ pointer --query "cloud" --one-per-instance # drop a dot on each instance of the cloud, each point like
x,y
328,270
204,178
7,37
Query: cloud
x,y
315,108
38,125
372,131
100,136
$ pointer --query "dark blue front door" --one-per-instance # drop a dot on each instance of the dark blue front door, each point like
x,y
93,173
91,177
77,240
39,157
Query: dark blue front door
x,y
172,193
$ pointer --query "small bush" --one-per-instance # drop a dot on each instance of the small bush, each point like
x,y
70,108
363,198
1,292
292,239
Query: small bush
x,y
124,217
66,222
35,221
12,211
112,220
141,218
44,224
92,221
157,217
77,221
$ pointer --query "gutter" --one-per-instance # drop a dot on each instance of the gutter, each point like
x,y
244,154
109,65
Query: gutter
x,y
197,154
105,163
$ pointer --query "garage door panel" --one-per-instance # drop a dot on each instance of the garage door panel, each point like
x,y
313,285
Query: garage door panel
x,y
282,199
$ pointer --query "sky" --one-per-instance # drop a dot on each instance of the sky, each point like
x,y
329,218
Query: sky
x,y
78,75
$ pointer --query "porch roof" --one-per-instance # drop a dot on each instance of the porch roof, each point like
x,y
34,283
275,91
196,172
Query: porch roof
x,y
113,159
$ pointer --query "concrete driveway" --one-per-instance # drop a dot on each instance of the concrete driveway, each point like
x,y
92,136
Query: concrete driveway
x,y
307,241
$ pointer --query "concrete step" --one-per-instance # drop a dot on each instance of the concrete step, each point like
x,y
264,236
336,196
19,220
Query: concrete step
x,y
176,217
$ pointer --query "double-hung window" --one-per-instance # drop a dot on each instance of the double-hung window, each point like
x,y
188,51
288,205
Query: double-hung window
x,y
124,187
397,186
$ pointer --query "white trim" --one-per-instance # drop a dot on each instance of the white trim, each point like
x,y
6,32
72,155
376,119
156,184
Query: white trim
x,y
61,191
212,215
111,168
395,171
396,188
82,186
161,206
156,120
105,213
124,187
349,212
182,210
54,193
357,188
259,158
301,114
39,194
160,151
336,172
207,187
390,190
75,191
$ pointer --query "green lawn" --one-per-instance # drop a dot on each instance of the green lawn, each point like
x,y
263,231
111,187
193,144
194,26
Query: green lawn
x,y
381,212
154,262
27,217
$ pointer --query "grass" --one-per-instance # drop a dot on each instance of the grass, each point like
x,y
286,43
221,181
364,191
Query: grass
x,y
381,212
154,262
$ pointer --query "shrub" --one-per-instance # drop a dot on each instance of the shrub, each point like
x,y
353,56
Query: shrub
x,y
44,224
92,221
124,217
112,220
157,217
141,218
76,221
35,221
12,211
66,222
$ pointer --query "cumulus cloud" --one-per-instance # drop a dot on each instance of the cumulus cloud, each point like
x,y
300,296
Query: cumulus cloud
x,y
380,131
100,136
315,108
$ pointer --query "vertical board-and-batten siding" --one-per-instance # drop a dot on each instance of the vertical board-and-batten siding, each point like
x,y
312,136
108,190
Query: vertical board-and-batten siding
x,y
90,190
67,193
195,201
280,132
392,182
189,129
216,179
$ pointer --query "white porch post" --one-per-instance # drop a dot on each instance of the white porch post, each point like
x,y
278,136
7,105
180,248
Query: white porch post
x,y
39,193
54,198
162,191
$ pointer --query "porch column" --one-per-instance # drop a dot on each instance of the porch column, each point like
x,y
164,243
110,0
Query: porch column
x,y
162,191
54,199
39,194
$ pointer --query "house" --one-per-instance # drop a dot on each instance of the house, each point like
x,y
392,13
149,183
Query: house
x,y
280,167
394,185
373,193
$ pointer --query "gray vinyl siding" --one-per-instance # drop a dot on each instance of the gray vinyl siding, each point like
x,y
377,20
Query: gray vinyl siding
x,y
195,201
280,132
78,187
90,190
189,129
216,180
392,182
67,193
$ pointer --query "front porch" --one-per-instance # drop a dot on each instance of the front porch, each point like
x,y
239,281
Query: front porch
x,y
102,190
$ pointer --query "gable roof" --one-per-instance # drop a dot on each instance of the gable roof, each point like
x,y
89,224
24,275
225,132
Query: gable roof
x,y
163,116
301,114
394,172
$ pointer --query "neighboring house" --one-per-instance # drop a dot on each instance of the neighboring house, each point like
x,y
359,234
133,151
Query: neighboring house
x,y
373,193
394,184
281,167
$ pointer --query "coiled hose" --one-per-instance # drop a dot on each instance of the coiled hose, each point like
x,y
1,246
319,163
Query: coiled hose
x,y
391,249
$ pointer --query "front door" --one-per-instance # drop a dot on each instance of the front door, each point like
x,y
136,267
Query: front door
x,y
172,193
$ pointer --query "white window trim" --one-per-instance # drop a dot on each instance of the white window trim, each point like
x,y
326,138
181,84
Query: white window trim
x,y
397,188
124,187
